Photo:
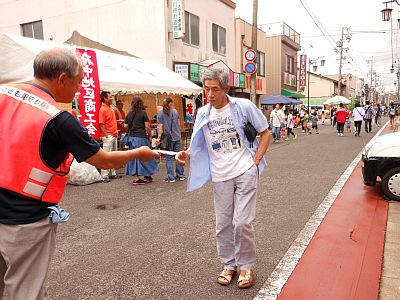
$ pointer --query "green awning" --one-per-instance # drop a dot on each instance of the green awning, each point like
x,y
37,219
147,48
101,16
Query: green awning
x,y
315,101
290,93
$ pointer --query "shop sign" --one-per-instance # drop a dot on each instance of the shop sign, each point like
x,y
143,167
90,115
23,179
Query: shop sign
x,y
183,70
194,73
236,80
89,92
242,81
303,70
177,19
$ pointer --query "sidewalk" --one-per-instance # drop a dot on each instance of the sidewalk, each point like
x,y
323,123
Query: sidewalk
x,y
354,253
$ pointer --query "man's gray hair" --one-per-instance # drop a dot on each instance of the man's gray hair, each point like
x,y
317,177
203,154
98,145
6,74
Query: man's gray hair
x,y
216,74
51,63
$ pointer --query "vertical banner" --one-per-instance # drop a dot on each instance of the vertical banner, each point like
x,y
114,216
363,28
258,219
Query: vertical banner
x,y
303,70
89,93
190,110
177,19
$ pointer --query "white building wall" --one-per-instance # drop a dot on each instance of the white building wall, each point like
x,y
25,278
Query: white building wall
x,y
140,27
220,14
136,26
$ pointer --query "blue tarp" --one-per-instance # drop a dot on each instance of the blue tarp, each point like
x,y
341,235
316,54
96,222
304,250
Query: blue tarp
x,y
274,99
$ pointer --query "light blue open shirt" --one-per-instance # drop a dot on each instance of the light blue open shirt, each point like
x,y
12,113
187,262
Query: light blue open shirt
x,y
242,111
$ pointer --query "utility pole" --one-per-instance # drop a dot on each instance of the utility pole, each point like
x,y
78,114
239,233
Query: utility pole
x,y
253,78
345,35
340,63
372,73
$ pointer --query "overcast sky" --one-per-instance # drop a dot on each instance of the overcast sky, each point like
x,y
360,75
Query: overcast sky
x,y
362,16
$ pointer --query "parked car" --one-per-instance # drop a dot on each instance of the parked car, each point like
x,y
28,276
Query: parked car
x,y
381,158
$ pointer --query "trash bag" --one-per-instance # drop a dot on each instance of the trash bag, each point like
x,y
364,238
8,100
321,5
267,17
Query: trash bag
x,y
83,174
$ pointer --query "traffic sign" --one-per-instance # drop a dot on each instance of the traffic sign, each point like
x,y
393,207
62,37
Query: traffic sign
x,y
250,55
250,68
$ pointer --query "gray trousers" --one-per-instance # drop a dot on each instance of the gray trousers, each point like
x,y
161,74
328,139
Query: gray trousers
x,y
235,210
25,254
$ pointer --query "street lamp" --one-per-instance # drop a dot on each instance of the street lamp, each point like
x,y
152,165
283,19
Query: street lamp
x,y
387,12
313,62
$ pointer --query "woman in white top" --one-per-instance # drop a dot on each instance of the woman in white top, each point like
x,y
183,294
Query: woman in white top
x,y
277,118
358,114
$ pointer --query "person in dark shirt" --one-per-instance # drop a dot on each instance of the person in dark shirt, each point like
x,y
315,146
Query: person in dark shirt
x,y
139,134
27,234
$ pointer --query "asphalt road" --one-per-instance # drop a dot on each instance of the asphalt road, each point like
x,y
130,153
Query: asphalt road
x,y
158,241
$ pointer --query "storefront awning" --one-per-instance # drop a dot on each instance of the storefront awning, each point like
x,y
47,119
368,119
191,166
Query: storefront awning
x,y
290,93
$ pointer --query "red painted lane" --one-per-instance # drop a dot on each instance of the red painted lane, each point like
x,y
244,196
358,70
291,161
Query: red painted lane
x,y
344,258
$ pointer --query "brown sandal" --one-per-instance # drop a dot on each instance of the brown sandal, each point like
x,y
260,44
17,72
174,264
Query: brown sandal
x,y
245,281
226,277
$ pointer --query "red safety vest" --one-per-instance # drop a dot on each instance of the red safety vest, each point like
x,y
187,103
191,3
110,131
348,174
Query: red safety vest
x,y
25,111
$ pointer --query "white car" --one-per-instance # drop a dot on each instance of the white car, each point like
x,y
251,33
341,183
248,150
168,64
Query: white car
x,y
381,158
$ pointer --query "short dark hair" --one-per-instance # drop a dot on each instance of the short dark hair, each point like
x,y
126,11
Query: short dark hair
x,y
103,95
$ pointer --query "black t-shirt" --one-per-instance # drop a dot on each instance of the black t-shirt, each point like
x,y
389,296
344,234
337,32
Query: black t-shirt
x,y
135,121
62,135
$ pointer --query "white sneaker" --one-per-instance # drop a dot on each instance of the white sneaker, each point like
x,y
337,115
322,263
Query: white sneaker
x,y
341,134
338,134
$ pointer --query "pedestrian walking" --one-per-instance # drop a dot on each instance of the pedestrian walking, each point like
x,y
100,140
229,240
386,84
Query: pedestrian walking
x,y
314,123
168,118
368,116
333,116
323,117
31,186
348,125
139,134
290,125
341,115
306,122
277,119
358,115
378,115
221,151
392,114
301,114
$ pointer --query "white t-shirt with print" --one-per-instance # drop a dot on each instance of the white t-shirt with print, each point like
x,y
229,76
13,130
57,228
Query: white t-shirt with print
x,y
228,156
277,117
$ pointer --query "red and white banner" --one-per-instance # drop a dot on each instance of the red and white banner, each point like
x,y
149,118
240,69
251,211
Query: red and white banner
x,y
89,93
303,70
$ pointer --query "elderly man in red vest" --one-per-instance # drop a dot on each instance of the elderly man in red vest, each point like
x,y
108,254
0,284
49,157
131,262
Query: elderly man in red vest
x,y
41,139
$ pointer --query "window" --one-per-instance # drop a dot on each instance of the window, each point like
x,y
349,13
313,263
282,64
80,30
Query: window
x,y
289,64
192,35
219,39
260,60
33,30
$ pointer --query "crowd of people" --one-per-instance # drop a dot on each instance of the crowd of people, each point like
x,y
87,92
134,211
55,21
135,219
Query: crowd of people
x,y
284,120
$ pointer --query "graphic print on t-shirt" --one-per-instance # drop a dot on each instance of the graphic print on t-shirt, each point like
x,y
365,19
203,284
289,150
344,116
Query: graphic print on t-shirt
x,y
223,135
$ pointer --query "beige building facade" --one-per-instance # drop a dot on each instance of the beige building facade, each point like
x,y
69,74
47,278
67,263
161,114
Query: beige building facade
x,y
282,45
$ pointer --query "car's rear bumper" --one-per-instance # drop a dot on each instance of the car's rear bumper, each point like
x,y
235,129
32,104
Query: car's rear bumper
x,y
369,170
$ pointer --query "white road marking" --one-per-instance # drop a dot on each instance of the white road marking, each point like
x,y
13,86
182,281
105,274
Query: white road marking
x,y
279,276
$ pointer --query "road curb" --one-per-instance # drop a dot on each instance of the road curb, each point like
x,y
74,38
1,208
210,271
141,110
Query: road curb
x,y
273,286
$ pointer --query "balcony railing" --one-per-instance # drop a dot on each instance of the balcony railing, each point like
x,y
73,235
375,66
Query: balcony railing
x,y
281,28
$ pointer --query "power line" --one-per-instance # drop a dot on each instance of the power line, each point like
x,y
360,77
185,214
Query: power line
x,y
308,10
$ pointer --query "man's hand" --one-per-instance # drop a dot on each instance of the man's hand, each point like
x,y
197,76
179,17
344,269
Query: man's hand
x,y
182,156
145,154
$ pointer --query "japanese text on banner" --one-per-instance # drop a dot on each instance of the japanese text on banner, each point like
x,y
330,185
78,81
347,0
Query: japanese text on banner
x,y
89,92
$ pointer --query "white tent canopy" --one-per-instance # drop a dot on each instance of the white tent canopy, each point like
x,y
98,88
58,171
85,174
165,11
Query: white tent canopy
x,y
337,100
117,73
